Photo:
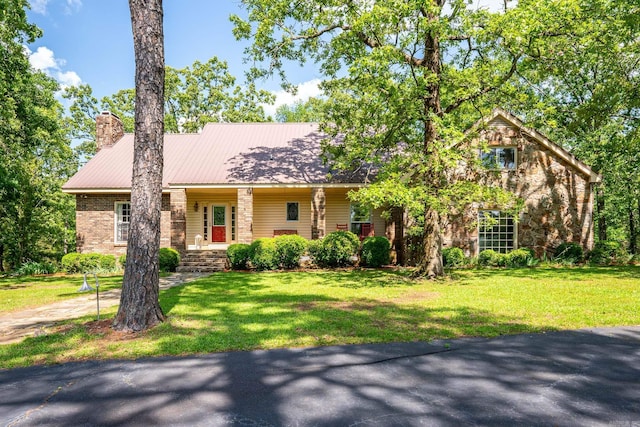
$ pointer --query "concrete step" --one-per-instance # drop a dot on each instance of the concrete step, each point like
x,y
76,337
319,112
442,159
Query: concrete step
x,y
204,261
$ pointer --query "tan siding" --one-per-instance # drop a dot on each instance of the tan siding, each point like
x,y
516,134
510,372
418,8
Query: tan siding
x,y
337,208
269,211
194,219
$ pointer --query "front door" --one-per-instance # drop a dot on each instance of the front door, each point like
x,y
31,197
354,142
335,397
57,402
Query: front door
x,y
219,227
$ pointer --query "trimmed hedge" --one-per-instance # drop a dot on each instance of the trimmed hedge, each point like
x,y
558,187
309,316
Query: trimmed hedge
x,y
168,259
490,258
521,257
87,263
263,254
452,257
238,255
375,251
336,249
289,249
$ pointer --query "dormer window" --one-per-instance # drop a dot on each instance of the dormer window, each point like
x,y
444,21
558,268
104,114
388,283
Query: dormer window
x,y
499,158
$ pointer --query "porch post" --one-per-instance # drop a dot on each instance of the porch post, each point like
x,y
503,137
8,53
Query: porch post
x,y
178,198
318,203
245,215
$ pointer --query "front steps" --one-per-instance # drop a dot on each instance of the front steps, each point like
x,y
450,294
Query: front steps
x,y
203,261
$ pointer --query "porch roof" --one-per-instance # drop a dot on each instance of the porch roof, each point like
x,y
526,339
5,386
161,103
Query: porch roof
x,y
222,154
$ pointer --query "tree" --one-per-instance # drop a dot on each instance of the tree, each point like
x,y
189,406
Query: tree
x,y
139,304
300,112
401,77
35,158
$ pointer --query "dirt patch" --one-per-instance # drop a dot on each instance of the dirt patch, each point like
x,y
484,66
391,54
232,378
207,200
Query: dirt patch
x,y
414,297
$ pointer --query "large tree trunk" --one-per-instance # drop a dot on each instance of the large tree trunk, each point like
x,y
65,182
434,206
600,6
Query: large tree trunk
x,y
431,263
139,306
632,229
602,220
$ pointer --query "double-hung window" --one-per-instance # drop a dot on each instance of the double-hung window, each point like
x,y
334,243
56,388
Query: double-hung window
x,y
496,230
499,158
123,219
360,215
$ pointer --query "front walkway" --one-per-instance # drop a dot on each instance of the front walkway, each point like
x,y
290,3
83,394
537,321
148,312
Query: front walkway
x,y
33,322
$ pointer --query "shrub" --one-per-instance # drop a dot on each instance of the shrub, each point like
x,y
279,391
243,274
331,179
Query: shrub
x,y
608,252
375,251
489,258
336,249
452,257
168,259
263,254
238,255
30,268
569,252
289,249
314,247
88,263
522,257
122,260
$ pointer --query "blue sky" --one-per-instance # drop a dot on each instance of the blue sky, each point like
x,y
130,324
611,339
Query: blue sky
x,y
90,41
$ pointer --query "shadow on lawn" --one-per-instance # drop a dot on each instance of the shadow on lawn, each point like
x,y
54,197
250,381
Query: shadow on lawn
x,y
547,273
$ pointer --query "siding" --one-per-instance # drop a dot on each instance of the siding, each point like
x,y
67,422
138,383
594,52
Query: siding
x,y
269,211
338,211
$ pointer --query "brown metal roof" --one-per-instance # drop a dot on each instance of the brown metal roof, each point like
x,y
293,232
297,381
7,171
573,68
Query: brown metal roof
x,y
222,154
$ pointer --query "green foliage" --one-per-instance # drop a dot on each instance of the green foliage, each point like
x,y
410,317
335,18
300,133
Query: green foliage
x,y
238,255
289,249
452,257
522,257
569,252
168,259
88,263
122,261
32,268
300,112
336,249
608,252
489,258
375,251
263,254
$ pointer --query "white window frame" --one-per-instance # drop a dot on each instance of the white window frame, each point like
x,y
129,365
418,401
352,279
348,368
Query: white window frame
x,y
117,212
352,222
496,156
497,238
286,211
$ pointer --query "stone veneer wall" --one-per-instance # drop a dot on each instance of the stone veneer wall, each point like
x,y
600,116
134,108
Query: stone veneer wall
x,y
95,216
558,199
318,221
245,215
178,199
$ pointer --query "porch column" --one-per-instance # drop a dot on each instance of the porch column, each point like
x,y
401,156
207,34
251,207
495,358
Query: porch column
x,y
318,223
245,215
178,199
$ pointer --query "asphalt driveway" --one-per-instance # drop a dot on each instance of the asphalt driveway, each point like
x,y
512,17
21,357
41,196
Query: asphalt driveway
x,y
575,378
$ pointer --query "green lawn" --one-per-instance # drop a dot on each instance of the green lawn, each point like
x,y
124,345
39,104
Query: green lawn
x,y
19,293
244,311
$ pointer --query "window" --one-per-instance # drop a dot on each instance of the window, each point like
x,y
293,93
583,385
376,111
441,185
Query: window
x,y
205,223
360,214
233,223
293,211
123,218
499,158
496,230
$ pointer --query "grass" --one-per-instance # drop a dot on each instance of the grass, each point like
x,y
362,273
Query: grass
x,y
245,311
20,293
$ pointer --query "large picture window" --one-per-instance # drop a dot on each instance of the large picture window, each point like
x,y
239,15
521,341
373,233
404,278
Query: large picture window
x,y
499,158
360,215
496,230
123,218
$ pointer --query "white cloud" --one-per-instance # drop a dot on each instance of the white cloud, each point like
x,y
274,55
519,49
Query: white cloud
x,y
39,6
305,91
72,6
44,59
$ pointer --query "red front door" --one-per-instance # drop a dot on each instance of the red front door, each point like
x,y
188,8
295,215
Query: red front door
x,y
219,227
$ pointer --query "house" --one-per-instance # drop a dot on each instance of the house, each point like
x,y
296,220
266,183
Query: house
x,y
235,182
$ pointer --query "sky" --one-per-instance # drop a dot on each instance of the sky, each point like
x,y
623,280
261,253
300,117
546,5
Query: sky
x,y
90,42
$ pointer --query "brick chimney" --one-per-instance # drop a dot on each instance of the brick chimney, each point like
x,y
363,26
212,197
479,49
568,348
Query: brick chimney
x,y
109,130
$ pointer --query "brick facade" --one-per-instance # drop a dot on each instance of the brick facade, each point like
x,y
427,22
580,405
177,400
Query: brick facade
x,y
558,199
95,223
318,203
109,129
245,215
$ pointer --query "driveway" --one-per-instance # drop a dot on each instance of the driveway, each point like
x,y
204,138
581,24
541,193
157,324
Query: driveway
x,y
574,378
